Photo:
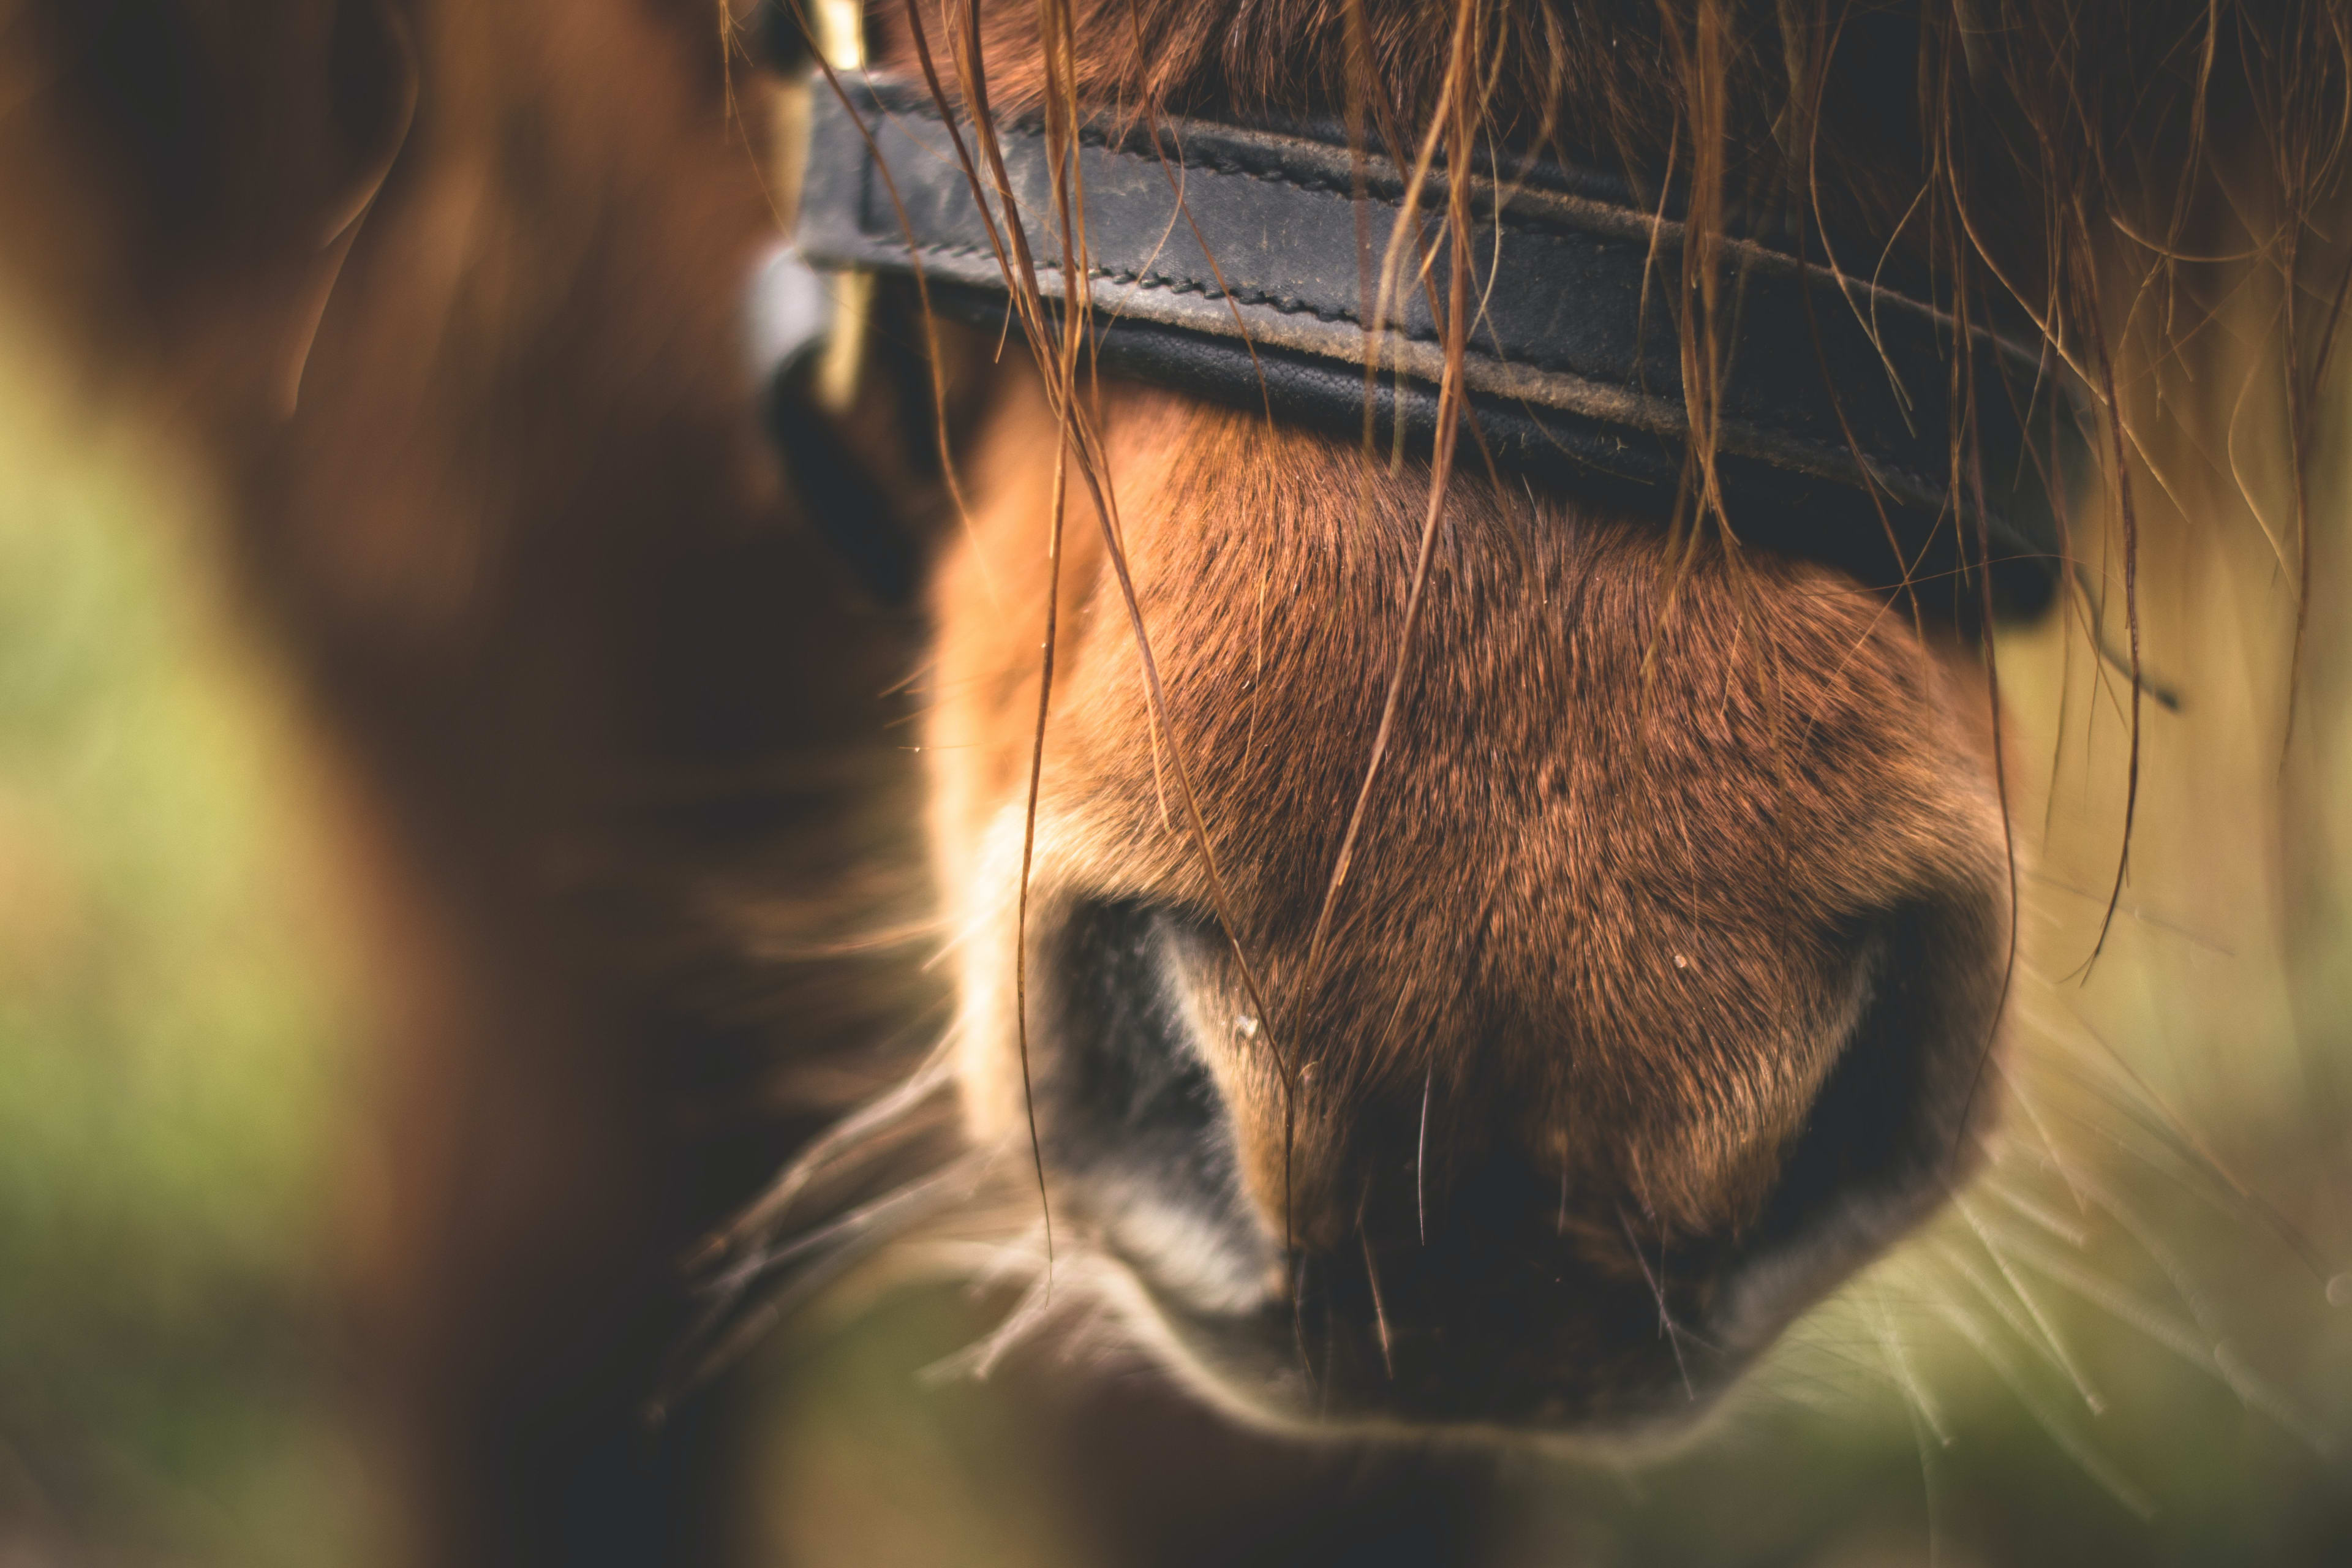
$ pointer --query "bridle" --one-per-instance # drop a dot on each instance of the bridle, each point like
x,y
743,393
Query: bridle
x,y
1241,264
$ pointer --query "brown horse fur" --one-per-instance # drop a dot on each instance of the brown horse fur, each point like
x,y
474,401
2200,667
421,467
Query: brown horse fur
x,y
450,293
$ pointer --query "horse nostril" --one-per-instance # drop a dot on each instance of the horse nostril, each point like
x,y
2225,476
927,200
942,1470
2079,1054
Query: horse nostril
x,y
1125,1066
1893,1127
1126,1109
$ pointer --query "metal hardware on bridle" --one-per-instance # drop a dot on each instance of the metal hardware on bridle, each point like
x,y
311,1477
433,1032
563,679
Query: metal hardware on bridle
x,y
1834,427
806,335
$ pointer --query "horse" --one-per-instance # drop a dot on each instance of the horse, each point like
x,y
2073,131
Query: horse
x,y
1440,936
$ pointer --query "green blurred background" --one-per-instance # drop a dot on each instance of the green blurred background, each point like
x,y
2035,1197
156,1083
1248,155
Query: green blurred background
x,y
172,1055
2132,1342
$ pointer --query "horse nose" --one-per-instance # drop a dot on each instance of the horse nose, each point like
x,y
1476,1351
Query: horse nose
x,y
1447,1253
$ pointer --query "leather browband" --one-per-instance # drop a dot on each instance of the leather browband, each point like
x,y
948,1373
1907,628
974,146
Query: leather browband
x,y
1835,424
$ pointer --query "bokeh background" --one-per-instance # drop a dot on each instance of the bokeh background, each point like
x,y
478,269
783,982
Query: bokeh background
x,y
2131,1342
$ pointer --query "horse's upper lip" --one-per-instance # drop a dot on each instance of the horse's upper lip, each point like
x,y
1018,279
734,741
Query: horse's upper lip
x,y
1276,1363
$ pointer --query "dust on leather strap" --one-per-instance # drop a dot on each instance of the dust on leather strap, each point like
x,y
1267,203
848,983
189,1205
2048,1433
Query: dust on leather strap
x,y
1835,419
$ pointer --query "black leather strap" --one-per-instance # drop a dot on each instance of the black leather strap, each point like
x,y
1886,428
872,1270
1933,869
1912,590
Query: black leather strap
x,y
1836,418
